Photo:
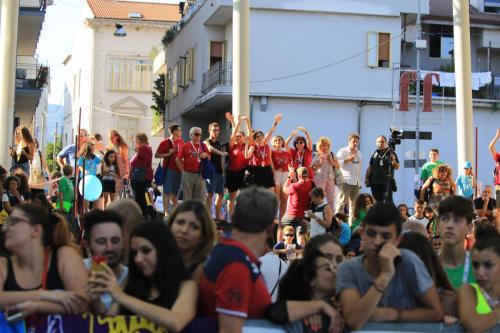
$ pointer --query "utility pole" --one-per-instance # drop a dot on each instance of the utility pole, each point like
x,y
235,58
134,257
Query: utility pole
x,y
8,51
241,58
461,38
54,150
417,97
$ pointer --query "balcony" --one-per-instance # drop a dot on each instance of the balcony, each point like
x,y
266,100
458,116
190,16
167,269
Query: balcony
x,y
220,74
31,17
30,79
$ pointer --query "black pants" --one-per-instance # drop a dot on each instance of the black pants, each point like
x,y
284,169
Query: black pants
x,y
139,189
378,192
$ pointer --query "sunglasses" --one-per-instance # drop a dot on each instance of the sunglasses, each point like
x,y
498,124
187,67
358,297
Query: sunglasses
x,y
289,235
197,134
300,142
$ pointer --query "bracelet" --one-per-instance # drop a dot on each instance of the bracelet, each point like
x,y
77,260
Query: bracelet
x,y
377,288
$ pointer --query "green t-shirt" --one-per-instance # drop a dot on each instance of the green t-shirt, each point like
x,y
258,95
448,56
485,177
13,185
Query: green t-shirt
x,y
357,223
427,169
65,186
456,275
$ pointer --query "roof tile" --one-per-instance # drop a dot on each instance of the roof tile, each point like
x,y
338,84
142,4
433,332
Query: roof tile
x,y
442,10
120,10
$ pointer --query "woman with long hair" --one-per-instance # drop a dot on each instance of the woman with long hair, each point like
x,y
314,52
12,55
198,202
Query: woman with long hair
x,y
323,164
235,174
37,181
301,152
307,290
421,246
403,210
281,160
361,205
118,144
259,155
195,232
479,303
23,151
158,287
142,170
441,185
45,273
110,172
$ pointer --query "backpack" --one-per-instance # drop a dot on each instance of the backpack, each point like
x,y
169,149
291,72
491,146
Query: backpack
x,y
207,169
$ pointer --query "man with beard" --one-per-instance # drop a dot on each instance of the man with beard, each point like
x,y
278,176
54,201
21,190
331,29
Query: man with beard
x,y
104,240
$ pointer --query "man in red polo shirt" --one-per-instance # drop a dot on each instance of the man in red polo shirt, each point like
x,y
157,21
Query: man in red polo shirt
x,y
298,199
496,157
231,286
188,161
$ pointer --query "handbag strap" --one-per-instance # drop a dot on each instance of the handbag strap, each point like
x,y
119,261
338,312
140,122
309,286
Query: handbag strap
x,y
45,269
278,280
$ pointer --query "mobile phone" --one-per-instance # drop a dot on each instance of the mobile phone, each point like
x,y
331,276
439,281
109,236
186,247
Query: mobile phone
x,y
98,263
13,316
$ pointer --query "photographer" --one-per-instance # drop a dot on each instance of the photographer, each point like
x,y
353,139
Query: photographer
x,y
380,172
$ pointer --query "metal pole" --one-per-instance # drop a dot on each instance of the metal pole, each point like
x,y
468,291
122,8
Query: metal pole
x,y
417,98
461,32
54,150
241,58
8,51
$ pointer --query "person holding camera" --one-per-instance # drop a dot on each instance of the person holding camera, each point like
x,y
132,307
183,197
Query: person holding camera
x,y
380,171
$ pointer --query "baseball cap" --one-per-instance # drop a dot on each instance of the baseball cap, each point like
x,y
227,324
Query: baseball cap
x,y
467,165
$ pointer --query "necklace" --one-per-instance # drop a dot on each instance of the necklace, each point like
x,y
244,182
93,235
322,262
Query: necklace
x,y
491,301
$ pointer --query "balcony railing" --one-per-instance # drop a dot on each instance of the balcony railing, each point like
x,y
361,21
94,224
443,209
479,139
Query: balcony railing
x,y
218,74
31,76
490,91
40,5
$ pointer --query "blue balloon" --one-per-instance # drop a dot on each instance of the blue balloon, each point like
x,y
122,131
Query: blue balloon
x,y
93,187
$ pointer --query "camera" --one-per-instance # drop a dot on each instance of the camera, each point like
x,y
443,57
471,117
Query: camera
x,y
395,138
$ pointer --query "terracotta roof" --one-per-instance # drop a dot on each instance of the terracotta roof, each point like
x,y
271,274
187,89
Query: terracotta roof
x,y
121,10
442,10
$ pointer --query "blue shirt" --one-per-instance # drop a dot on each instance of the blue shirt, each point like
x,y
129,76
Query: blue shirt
x,y
68,153
465,186
90,164
345,234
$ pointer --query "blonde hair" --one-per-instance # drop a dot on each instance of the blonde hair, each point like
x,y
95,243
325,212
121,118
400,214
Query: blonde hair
x,y
288,228
321,141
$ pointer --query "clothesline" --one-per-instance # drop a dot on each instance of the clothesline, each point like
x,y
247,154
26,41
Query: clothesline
x,y
447,79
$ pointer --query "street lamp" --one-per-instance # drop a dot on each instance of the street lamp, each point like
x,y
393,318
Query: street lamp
x,y
120,31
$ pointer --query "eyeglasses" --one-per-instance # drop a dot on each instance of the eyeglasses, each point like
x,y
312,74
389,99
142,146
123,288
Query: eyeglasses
x,y
300,143
197,134
289,235
12,221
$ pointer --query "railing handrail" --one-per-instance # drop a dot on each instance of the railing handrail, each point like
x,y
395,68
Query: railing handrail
x,y
220,73
33,4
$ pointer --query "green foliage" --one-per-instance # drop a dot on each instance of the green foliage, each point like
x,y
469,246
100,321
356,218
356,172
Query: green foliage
x,y
159,103
448,68
49,154
169,35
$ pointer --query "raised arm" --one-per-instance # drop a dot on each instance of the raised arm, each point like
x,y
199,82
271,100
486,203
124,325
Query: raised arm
x,y
290,137
308,137
250,129
493,142
425,187
230,118
236,129
277,120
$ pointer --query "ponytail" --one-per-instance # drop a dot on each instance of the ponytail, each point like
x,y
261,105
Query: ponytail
x,y
61,235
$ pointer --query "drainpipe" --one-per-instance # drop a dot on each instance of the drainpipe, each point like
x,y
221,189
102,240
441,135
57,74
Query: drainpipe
x,y
8,51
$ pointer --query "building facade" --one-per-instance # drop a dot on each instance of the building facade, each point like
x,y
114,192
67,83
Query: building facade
x,y
109,78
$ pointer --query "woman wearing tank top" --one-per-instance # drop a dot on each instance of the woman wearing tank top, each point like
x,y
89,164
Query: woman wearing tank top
x,y
23,151
45,273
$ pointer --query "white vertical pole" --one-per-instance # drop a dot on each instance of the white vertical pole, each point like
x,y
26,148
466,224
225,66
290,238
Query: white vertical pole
x,y
8,51
241,58
463,72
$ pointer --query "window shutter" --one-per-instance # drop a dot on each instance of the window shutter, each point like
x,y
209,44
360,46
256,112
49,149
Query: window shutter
x,y
384,46
372,54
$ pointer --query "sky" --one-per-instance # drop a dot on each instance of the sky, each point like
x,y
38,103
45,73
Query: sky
x,y
56,41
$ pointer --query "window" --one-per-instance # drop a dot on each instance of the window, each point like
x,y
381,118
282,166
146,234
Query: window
x,y
441,41
492,6
379,49
130,74
168,86
216,52
190,65
128,128
182,73
174,80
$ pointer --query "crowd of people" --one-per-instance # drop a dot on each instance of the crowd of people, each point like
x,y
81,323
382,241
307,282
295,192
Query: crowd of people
x,y
252,229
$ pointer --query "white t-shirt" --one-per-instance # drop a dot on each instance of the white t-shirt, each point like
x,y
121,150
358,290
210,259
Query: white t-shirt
x,y
272,269
422,221
352,169
316,228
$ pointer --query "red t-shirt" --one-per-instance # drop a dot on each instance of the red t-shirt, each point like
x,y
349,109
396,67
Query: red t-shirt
x,y
281,159
237,160
303,159
143,158
231,283
261,156
298,198
497,172
190,154
164,147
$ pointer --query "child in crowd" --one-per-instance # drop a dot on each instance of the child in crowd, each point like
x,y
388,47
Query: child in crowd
x,y
478,303
320,214
455,223
110,172
466,183
403,210
65,192
430,215
419,215
54,186
437,244
343,230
